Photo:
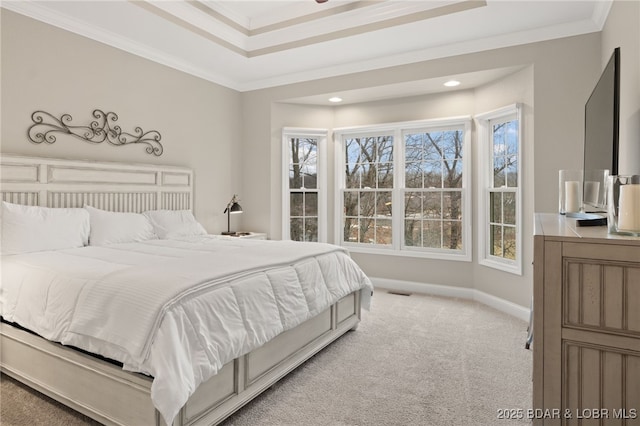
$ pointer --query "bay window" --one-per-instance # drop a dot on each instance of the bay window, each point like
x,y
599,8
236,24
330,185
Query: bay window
x,y
403,188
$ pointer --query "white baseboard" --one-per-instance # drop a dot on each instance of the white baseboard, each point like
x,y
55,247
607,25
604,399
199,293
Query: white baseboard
x,y
501,305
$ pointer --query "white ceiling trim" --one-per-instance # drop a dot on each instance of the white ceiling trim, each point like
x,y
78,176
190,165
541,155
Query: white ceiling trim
x,y
48,16
450,50
308,29
378,17
295,13
207,70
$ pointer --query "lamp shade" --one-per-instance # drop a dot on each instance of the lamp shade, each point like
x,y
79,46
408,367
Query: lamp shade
x,y
233,207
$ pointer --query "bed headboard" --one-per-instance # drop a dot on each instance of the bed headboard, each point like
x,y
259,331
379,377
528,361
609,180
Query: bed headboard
x,y
120,187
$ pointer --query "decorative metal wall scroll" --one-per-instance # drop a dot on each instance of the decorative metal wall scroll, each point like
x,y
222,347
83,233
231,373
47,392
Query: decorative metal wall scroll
x,y
46,127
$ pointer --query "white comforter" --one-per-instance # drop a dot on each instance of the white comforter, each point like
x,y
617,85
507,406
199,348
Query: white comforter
x,y
177,310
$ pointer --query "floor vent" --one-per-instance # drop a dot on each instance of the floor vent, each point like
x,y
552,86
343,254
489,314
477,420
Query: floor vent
x,y
398,293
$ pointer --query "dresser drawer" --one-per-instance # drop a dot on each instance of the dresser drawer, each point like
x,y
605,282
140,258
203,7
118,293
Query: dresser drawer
x,y
599,293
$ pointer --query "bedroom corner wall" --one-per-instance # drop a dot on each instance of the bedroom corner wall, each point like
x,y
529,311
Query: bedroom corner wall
x,y
564,71
46,68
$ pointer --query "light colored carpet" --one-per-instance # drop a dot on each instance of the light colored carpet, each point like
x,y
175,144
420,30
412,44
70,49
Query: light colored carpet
x,y
417,360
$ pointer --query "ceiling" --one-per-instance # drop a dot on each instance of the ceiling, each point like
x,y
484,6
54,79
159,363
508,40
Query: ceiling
x,y
247,45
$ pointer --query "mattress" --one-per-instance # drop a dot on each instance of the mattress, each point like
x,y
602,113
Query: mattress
x,y
177,310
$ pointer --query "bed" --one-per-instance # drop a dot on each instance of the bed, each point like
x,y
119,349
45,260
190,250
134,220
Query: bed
x,y
265,306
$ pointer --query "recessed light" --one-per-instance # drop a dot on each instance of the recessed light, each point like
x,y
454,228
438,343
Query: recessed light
x,y
335,99
452,83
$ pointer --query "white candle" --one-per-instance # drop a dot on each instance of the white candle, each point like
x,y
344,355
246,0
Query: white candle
x,y
572,196
629,208
591,192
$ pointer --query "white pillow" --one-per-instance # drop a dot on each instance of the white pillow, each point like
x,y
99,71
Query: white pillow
x,y
27,229
174,223
114,227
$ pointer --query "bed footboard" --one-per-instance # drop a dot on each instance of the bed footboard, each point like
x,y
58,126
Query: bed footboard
x,y
108,394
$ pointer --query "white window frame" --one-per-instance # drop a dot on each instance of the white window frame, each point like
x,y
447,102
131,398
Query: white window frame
x,y
321,135
485,182
397,248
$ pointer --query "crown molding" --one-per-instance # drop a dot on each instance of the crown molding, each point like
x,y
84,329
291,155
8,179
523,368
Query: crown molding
x,y
207,72
50,17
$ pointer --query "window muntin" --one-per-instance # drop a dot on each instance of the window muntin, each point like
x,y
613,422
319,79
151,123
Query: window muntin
x,y
433,205
303,205
369,177
404,189
500,136
502,192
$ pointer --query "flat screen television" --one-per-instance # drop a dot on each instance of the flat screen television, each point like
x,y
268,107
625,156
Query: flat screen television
x,y
601,134
602,119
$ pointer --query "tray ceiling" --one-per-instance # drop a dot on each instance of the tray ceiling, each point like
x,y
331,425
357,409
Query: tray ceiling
x,y
248,45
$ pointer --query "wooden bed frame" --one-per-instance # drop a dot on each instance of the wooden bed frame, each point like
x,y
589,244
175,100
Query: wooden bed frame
x,y
101,389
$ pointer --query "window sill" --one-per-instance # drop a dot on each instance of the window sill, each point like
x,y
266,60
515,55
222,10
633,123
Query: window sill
x,y
512,268
464,257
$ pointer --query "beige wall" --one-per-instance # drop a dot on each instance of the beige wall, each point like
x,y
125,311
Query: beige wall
x,y
232,140
557,74
622,29
46,68
517,87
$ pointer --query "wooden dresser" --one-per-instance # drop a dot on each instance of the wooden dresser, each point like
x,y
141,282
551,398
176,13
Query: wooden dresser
x,y
586,325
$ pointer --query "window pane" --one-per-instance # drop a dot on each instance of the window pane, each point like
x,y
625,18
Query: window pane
x,y
451,144
452,235
511,137
311,229
432,205
431,149
498,172
495,200
385,149
412,231
432,233
350,203
353,154
510,208
309,176
311,204
352,176
383,201
499,143
351,230
367,204
413,205
368,176
296,204
385,175
413,175
383,231
367,231
413,147
295,177
512,171
452,205
495,247
509,251
368,149
296,230
453,174
433,174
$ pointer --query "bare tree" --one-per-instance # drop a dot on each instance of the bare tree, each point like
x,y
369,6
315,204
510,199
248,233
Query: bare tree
x,y
369,181
435,162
